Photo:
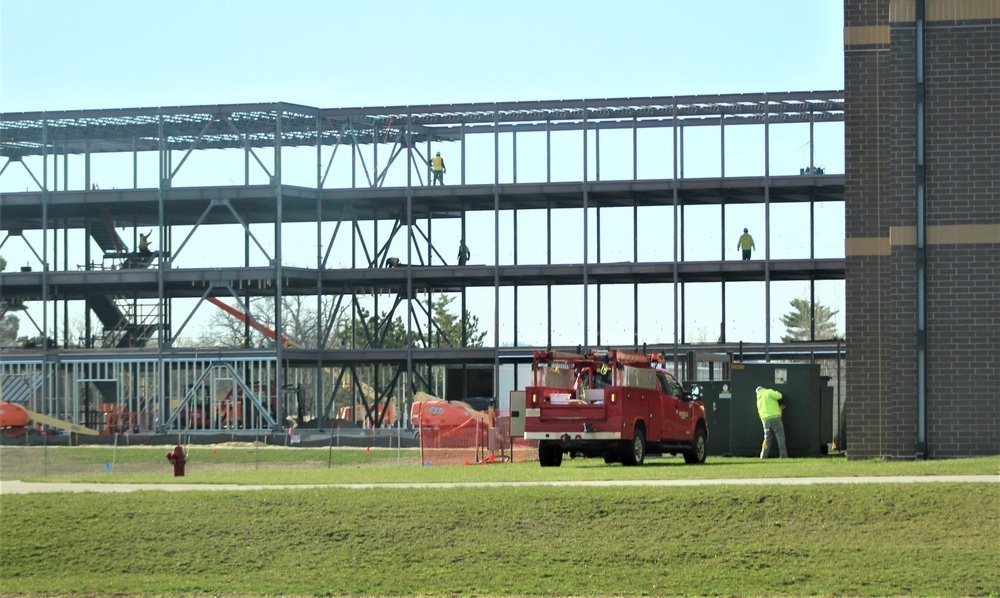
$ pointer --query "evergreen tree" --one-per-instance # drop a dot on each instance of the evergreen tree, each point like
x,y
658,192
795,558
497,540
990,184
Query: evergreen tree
x,y
8,329
448,326
446,329
799,322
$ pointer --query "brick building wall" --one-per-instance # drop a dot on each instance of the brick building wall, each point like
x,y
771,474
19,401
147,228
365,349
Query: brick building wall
x,y
962,182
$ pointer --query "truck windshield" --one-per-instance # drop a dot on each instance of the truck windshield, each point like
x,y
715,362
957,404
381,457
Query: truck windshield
x,y
556,375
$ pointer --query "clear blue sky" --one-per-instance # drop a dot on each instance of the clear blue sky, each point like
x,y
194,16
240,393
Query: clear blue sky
x,y
72,54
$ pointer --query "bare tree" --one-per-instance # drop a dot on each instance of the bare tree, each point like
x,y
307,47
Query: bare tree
x,y
300,323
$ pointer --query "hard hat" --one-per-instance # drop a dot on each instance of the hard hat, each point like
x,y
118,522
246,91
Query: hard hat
x,y
439,153
759,388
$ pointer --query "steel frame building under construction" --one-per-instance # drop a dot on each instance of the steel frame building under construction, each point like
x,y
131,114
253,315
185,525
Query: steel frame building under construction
x,y
367,205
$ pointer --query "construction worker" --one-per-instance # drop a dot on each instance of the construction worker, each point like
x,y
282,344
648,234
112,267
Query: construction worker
x,y
770,404
144,244
746,244
437,165
463,253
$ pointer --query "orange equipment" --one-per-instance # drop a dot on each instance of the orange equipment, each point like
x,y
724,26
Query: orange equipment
x,y
13,419
431,412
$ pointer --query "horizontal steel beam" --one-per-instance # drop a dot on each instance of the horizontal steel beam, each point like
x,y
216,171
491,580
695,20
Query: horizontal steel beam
x,y
261,281
256,204
825,349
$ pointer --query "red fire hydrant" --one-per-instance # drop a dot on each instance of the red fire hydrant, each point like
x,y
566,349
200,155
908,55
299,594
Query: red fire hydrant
x,y
177,459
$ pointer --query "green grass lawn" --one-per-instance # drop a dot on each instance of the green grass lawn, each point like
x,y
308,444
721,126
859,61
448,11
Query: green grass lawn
x,y
276,465
877,539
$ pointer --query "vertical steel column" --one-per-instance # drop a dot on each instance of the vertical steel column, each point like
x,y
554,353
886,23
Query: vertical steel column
x,y
46,388
465,319
586,237
278,270
722,144
514,212
635,260
635,313
812,143
548,260
374,180
635,151
597,151
246,294
548,151
161,211
722,174
513,137
87,185
767,229
812,191
162,408
681,127
597,214
722,208
921,257
246,159
354,159
461,136
55,167
320,341
66,265
375,290
676,197
496,252
548,227
680,157
135,168
408,395
812,308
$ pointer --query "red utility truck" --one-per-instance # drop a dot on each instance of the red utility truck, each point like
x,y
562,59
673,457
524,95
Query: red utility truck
x,y
614,404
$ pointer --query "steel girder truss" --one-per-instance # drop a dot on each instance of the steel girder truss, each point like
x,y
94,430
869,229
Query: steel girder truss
x,y
249,127
262,125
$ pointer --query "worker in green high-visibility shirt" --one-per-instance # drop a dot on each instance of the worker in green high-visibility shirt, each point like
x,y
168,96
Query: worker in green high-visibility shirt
x,y
770,404
437,166
746,244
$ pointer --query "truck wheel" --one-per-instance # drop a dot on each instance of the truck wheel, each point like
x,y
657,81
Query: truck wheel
x,y
699,448
549,453
635,449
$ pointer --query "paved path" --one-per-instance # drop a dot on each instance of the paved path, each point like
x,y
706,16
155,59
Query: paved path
x,y
18,487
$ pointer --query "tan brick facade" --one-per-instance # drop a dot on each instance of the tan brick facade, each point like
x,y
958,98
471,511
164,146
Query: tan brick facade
x,y
962,257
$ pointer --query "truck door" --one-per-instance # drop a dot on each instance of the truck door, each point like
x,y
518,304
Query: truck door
x,y
673,424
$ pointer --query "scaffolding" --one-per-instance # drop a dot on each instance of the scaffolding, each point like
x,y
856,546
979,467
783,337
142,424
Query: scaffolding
x,y
577,233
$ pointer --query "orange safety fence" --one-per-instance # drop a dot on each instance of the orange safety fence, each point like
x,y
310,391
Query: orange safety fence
x,y
474,442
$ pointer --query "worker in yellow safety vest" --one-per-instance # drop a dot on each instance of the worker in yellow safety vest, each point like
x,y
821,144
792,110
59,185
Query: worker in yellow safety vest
x,y
770,404
746,244
437,165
